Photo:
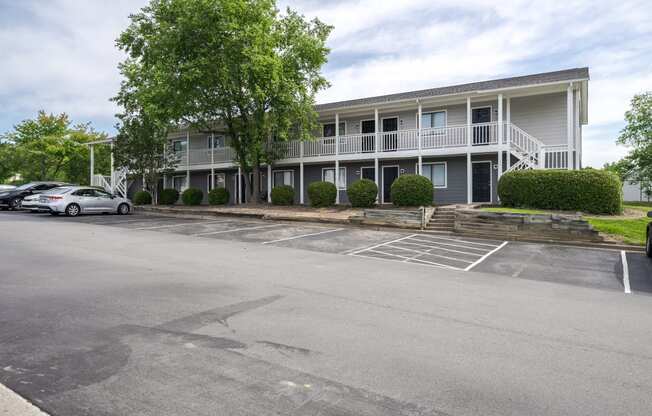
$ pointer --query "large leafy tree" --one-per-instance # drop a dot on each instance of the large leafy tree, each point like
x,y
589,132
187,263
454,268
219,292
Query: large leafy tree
x,y
637,134
237,64
50,147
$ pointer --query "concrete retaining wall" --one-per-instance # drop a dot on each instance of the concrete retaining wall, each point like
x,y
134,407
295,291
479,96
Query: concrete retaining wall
x,y
414,218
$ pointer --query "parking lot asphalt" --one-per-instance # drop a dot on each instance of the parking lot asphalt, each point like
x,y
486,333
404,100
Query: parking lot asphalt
x,y
588,267
107,315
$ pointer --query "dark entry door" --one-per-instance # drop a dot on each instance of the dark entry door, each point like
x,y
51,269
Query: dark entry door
x,y
368,130
390,173
390,137
481,182
481,133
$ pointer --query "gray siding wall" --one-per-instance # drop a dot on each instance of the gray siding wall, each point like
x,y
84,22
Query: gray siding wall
x,y
542,116
455,191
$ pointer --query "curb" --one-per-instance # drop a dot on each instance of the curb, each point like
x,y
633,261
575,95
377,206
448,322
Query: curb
x,y
13,404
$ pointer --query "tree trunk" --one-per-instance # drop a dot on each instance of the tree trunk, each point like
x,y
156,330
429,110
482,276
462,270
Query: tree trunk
x,y
255,191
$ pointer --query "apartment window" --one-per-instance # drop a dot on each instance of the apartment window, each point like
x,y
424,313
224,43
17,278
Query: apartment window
x,y
218,141
328,175
433,119
179,183
220,181
329,129
436,172
283,177
179,146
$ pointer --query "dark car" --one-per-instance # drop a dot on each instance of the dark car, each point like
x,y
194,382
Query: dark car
x,y
648,237
12,199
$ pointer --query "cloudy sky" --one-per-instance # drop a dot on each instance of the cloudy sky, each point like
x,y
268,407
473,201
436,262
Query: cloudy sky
x,y
59,55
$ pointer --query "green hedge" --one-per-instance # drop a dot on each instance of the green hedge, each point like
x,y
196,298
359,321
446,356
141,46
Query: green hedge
x,y
218,196
362,193
412,191
168,196
282,195
192,196
322,194
142,198
589,190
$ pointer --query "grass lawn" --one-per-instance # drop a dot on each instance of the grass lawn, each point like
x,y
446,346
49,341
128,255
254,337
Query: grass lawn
x,y
628,228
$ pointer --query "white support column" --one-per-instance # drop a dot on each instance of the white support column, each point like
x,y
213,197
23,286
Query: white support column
x,y
165,177
187,159
420,163
212,161
337,162
113,171
376,176
269,183
576,127
301,199
239,185
377,132
92,152
509,133
569,125
469,171
501,144
377,150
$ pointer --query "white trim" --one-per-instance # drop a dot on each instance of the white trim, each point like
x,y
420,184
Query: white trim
x,y
382,181
491,113
282,170
180,141
445,111
366,167
398,123
491,181
623,256
368,119
346,129
445,163
333,168
214,175
303,235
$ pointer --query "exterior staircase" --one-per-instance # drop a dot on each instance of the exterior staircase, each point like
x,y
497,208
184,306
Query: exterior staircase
x,y
525,147
442,220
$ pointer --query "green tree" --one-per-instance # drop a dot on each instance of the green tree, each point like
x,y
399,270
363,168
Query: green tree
x,y
239,64
7,161
49,147
637,134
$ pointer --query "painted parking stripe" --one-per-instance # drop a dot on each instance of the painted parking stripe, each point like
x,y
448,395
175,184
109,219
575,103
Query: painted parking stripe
x,y
427,236
483,258
180,225
441,248
353,253
404,259
453,245
623,256
302,236
236,229
428,252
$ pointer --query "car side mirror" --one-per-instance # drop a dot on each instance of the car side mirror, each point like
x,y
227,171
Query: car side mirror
x,y
649,214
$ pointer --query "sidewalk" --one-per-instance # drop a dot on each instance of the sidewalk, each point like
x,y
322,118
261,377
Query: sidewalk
x,y
12,404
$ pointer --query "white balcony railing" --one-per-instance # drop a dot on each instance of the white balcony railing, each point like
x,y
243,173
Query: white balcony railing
x,y
555,157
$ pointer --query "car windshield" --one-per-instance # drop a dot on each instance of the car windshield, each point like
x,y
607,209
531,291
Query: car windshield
x,y
25,186
59,190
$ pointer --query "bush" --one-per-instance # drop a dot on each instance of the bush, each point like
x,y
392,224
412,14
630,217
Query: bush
x,y
412,191
218,196
192,196
168,196
362,193
589,190
322,194
282,195
142,198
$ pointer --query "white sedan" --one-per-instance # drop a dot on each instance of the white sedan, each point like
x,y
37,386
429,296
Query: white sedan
x,y
76,200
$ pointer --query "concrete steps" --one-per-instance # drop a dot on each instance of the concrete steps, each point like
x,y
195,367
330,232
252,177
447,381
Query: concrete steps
x,y
442,221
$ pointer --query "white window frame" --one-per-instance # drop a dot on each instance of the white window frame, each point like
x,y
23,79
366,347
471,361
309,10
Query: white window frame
x,y
491,113
368,119
274,172
366,167
398,123
445,111
346,128
179,141
341,176
211,143
445,163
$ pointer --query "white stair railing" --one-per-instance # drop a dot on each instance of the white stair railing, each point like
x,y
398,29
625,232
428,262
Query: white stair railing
x,y
525,147
119,183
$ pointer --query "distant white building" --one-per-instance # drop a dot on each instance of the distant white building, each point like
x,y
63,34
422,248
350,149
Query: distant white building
x,y
633,191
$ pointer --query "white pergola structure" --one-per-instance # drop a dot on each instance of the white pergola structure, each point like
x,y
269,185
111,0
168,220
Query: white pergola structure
x,y
116,182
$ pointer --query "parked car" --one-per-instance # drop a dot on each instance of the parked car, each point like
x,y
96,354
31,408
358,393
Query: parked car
x,y
76,200
13,198
4,188
648,237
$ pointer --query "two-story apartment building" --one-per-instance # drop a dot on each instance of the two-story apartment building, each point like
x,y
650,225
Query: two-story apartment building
x,y
462,137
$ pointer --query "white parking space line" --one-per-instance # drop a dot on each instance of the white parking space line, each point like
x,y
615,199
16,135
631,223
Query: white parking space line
x,y
428,252
483,258
452,245
623,256
441,248
302,236
236,229
429,236
180,225
404,259
353,253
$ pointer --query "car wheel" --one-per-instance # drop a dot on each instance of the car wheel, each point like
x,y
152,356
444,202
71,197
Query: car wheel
x,y
123,209
15,203
648,245
72,210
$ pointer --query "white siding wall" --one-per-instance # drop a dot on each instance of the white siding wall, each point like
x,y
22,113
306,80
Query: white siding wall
x,y
543,116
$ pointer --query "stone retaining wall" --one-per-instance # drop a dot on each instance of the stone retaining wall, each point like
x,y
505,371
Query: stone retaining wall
x,y
525,226
414,218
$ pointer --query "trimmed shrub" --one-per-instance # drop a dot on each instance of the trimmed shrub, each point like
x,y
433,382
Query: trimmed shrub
x,y
192,196
282,195
588,190
168,196
412,191
142,198
218,196
362,193
322,194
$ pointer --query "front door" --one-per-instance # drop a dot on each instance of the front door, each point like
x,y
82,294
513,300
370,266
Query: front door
x,y
390,137
481,134
368,130
481,181
390,173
